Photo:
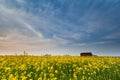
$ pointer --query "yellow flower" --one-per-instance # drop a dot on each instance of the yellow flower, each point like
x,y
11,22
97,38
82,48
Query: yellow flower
x,y
11,77
22,67
24,77
56,71
83,77
40,78
7,68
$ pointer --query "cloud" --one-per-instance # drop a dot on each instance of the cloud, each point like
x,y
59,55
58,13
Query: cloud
x,y
17,42
20,1
17,20
3,38
33,30
113,36
17,34
57,25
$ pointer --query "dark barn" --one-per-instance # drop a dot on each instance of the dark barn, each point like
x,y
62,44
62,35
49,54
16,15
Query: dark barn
x,y
86,54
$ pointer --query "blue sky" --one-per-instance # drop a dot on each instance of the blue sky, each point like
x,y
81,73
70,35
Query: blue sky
x,y
60,27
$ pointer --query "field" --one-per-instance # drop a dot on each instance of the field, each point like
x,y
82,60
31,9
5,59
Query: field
x,y
59,68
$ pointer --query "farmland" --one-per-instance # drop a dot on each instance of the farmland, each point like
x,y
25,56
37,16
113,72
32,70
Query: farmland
x,y
59,68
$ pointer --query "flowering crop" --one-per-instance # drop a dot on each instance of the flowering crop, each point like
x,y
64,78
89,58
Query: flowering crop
x,y
59,68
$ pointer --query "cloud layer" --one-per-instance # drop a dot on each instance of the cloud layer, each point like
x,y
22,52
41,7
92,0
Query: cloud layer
x,y
62,26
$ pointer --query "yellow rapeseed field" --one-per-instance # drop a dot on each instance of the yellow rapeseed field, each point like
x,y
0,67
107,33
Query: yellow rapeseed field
x,y
59,68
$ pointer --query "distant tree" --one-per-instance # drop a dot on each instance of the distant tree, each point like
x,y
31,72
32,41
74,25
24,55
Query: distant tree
x,y
15,54
47,55
25,53
66,55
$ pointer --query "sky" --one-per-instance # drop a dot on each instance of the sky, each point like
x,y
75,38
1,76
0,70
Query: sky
x,y
60,27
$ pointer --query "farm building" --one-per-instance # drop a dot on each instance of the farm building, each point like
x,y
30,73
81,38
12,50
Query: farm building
x,y
86,54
